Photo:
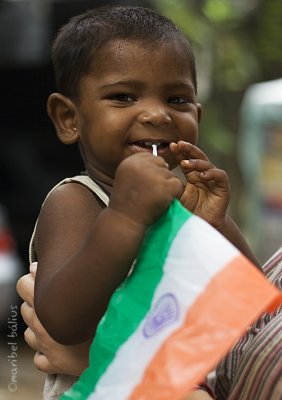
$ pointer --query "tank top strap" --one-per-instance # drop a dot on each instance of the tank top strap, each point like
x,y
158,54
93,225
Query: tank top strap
x,y
85,180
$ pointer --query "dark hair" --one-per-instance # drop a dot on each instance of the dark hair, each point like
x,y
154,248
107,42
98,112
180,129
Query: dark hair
x,y
84,35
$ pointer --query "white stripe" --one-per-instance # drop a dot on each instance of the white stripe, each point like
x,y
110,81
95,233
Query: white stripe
x,y
197,254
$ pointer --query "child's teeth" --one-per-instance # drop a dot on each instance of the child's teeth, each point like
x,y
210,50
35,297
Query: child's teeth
x,y
150,144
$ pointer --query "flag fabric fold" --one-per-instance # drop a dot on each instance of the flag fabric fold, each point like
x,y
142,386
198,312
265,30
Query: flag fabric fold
x,y
190,296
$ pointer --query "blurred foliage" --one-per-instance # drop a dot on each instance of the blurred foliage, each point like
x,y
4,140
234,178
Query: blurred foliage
x,y
269,35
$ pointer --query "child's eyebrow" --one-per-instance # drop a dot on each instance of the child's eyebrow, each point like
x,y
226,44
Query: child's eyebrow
x,y
122,82
181,85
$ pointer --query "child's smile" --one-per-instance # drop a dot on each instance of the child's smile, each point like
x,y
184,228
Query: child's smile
x,y
133,97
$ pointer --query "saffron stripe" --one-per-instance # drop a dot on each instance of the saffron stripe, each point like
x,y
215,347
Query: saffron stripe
x,y
208,332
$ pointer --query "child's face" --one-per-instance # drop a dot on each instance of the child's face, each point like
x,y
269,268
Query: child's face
x,y
133,97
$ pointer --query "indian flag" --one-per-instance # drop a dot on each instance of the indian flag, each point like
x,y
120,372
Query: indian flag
x,y
190,296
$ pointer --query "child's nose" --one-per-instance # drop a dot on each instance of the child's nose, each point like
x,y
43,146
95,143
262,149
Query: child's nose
x,y
156,116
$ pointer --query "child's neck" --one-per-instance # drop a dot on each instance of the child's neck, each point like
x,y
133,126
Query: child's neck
x,y
105,186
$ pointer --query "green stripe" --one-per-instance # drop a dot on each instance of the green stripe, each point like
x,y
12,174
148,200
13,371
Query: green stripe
x,y
131,301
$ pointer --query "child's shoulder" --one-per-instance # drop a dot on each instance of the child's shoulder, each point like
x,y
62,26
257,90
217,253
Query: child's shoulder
x,y
67,213
73,200
77,188
90,184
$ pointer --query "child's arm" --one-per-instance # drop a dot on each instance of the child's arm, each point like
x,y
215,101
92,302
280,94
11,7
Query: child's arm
x,y
207,193
85,252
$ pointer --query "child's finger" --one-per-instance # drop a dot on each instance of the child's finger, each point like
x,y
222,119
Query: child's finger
x,y
215,174
188,166
184,150
209,178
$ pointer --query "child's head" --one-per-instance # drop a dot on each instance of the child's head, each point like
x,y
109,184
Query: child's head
x,y
81,40
126,79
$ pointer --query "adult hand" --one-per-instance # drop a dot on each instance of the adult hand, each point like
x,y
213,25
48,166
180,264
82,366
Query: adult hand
x,y
50,356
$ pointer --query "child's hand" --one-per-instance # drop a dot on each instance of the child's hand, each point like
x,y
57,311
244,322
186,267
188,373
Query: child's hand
x,y
207,192
144,188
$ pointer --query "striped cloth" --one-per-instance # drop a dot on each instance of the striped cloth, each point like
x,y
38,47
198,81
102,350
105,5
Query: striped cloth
x,y
253,369
189,298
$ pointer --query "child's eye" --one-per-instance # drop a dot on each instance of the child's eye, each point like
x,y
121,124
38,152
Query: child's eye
x,y
122,97
178,100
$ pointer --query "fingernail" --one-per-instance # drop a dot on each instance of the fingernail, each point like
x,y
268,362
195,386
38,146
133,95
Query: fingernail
x,y
33,268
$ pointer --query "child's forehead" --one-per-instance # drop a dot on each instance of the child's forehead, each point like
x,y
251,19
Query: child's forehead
x,y
125,51
136,46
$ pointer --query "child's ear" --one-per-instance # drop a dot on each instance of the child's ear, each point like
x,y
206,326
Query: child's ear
x,y
63,113
199,109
